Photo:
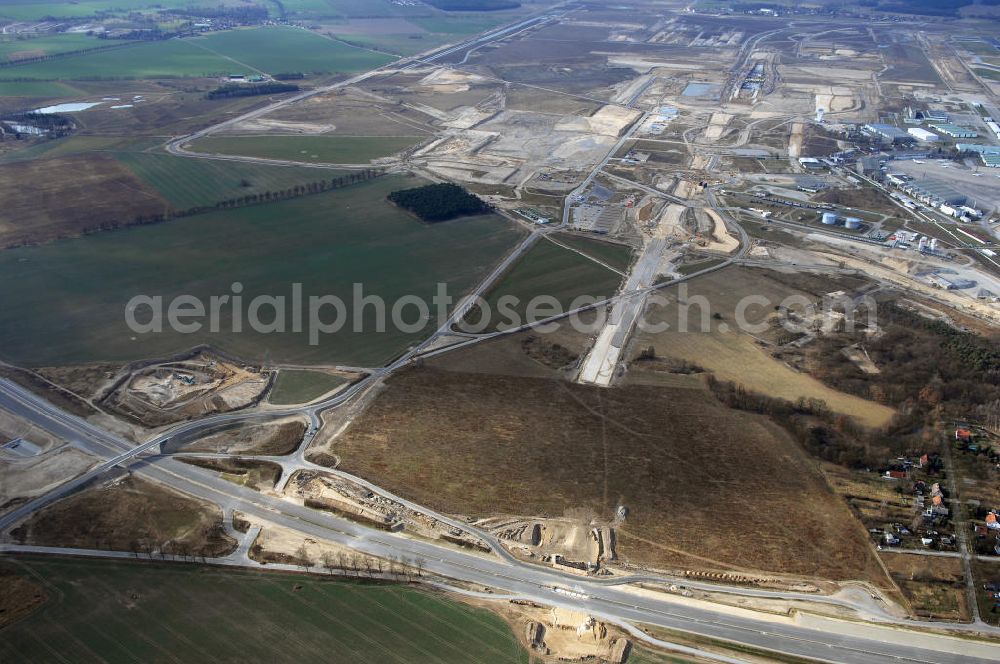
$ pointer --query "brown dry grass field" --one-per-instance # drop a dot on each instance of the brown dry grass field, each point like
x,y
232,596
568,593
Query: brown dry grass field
x,y
706,486
735,356
934,587
19,595
131,515
82,379
264,439
51,198
523,354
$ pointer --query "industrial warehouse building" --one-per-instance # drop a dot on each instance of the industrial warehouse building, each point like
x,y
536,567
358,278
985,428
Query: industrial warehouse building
x,y
954,130
933,193
887,132
989,154
923,135
977,147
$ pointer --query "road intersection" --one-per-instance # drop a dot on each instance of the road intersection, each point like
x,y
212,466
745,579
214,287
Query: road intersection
x,y
504,575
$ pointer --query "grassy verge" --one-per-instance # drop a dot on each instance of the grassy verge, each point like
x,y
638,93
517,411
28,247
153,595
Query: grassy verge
x,y
294,386
698,266
617,256
552,271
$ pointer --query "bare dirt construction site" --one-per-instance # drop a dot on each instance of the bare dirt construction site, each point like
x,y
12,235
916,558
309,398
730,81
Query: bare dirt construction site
x,y
170,392
129,514
33,461
562,634
345,497
697,480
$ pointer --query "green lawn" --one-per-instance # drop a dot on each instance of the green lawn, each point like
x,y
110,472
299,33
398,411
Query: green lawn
x,y
283,49
548,269
316,149
617,256
64,302
293,386
187,182
123,611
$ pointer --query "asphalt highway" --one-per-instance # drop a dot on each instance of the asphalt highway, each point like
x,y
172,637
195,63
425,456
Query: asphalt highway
x,y
499,572
540,584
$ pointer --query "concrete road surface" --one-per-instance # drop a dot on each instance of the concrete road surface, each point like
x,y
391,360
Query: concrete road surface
x,y
540,584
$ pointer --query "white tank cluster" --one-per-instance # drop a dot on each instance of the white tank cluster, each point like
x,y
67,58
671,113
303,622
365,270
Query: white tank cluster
x,y
922,244
819,115
829,219
852,223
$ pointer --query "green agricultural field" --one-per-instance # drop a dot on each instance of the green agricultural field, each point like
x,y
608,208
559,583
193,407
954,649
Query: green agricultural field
x,y
64,302
37,89
464,24
124,611
188,183
15,49
990,74
294,386
350,8
70,145
283,49
550,270
271,50
403,43
978,47
314,149
617,256
162,59
34,10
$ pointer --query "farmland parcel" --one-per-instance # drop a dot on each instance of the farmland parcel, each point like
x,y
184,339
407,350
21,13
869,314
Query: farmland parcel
x,y
64,302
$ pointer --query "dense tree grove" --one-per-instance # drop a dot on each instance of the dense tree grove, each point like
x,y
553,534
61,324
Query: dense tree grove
x,y
474,5
928,370
439,202
236,90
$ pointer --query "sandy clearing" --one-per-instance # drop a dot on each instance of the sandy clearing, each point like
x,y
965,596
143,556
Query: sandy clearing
x,y
795,140
721,239
736,358
717,125
33,476
270,125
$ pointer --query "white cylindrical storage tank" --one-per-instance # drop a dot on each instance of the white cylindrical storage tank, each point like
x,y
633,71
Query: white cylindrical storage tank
x,y
922,244
829,218
852,223
933,244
